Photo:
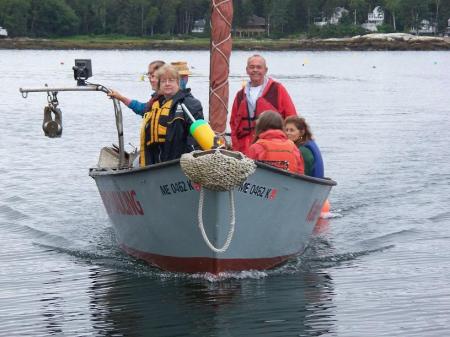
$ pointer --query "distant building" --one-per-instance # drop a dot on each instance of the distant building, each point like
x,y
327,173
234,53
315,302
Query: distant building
x,y
374,19
199,26
320,21
337,15
255,25
448,28
339,12
425,28
3,32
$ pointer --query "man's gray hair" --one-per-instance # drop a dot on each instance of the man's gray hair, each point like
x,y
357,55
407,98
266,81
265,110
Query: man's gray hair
x,y
257,55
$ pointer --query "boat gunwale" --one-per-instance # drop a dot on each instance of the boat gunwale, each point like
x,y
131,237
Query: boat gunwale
x,y
94,172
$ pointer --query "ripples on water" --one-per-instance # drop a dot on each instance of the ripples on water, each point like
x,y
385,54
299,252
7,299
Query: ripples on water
x,y
379,265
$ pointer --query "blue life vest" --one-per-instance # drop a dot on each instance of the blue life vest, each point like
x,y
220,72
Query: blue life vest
x,y
317,170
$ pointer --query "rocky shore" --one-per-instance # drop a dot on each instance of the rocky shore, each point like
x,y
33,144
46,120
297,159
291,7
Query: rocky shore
x,y
394,41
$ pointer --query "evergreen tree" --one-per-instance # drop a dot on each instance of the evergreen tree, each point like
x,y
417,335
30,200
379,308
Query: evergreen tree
x,y
14,16
52,18
148,17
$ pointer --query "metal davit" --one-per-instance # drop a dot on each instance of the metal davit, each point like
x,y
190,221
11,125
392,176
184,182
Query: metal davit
x,y
52,123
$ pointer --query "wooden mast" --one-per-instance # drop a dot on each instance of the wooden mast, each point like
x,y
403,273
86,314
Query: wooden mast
x,y
221,20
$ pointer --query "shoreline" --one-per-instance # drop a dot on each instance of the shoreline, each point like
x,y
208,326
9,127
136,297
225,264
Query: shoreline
x,y
370,42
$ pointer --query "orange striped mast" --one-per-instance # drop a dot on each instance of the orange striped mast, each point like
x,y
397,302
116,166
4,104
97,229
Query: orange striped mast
x,y
221,43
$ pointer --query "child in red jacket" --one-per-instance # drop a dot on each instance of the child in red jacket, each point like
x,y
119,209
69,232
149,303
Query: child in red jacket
x,y
272,146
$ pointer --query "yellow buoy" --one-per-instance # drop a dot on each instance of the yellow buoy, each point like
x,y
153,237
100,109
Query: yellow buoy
x,y
203,134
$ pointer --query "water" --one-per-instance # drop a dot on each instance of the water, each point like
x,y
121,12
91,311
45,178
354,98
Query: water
x,y
379,267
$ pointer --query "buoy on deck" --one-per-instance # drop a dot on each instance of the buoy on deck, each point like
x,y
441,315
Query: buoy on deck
x,y
203,134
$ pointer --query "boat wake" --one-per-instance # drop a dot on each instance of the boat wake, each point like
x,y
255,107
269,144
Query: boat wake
x,y
317,256
108,257
105,253
351,208
440,217
336,259
332,215
11,214
388,237
321,254
246,274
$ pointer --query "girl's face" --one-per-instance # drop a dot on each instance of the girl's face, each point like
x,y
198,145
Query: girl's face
x,y
292,132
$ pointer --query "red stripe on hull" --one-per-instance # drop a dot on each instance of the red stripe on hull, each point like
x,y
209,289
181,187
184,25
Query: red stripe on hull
x,y
205,264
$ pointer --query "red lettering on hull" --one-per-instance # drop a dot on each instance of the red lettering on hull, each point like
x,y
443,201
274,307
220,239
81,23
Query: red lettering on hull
x,y
121,202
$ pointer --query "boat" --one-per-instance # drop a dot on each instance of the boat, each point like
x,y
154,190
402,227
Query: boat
x,y
165,218
154,211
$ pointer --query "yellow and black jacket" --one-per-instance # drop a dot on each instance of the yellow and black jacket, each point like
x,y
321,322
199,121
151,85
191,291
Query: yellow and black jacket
x,y
165,129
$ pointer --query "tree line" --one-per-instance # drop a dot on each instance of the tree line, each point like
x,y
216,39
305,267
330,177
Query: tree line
x,y
58,18
286,17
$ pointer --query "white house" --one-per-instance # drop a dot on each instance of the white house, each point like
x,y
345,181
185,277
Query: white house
x,y
199,26
338,13
3,32
374,19
425,27
320,21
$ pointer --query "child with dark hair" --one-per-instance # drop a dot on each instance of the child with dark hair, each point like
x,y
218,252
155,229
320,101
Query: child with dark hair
x,y
272,146
299,132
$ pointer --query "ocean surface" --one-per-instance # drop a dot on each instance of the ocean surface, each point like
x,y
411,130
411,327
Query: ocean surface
x,y
380,266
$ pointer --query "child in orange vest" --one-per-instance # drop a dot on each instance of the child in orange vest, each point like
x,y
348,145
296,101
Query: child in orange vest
x,y
272,146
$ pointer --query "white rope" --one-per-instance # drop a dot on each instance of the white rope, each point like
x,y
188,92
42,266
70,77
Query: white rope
x,y
216,6
202,227
215,93
217,170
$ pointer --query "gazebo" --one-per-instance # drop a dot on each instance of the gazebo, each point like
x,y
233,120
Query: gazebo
x,y
255,25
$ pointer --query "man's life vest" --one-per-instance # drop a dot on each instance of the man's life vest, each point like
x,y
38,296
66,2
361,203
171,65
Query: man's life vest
x,y
279,154
267,101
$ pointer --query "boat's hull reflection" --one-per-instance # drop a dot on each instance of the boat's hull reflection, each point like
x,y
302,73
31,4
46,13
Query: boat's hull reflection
x,y
126,305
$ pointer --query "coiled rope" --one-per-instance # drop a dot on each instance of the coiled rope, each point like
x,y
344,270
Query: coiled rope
x,y
217,170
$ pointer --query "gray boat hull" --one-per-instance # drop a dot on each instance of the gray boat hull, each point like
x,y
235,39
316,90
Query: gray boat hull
x,y
154,211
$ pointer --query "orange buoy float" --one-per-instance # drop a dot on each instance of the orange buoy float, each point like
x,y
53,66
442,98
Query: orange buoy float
x,y
324,213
